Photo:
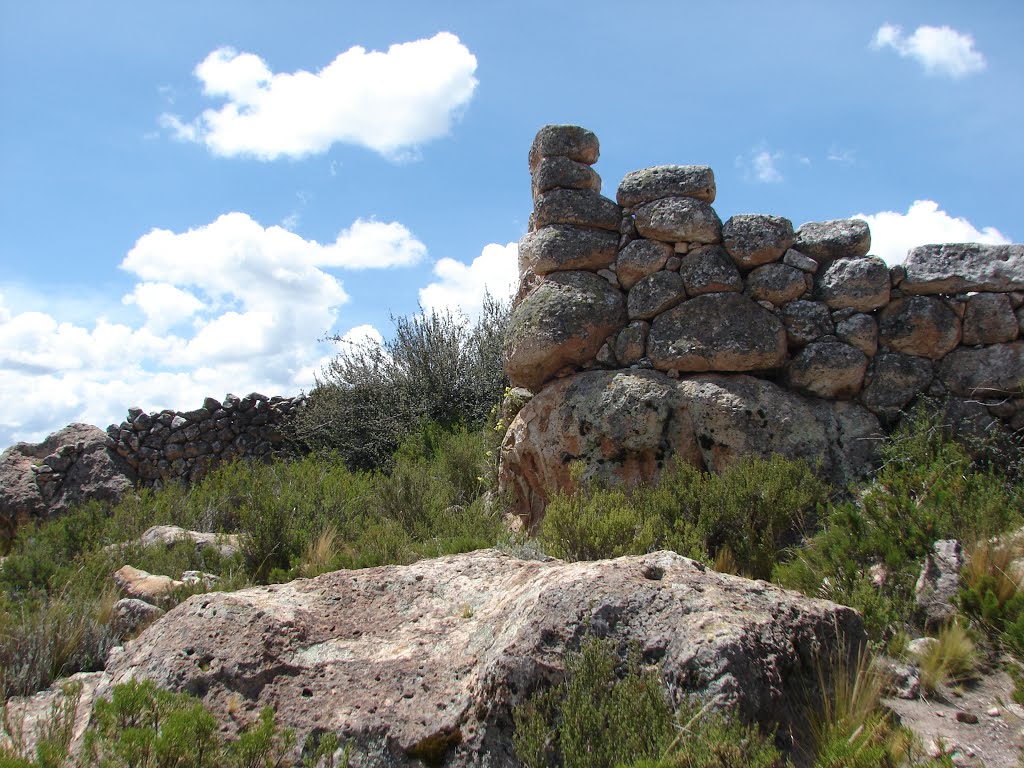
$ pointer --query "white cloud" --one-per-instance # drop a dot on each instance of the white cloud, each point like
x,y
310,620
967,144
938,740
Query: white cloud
x,y
761,164
940,50
461,286
842,156
894,233
390,102
363,335
229,306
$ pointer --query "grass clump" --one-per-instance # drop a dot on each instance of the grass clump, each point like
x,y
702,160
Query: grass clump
x,y
951,660
746,516
990,596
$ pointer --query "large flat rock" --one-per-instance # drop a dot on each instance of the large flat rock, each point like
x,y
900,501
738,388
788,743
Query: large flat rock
x,y
441,651
964,267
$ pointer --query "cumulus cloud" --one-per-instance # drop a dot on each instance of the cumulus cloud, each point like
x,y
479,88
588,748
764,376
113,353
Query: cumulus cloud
x,y
894,233
461,287
390,102
940,50
229,306
761,164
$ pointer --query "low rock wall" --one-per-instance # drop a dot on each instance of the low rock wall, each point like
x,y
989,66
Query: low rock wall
x,y
184,445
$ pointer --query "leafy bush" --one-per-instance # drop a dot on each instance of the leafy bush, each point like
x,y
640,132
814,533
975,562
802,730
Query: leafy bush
x,y
929,488
752,511
594,718
437,368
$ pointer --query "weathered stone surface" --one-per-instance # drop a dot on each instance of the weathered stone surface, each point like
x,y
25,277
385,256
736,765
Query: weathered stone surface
x,y
439,653
827,369
649,184
806,321
145,586
837,239
939,583
963,267
709,270
226,544
993,371
989,319
654,294
625,425
34,714
919,325
89,468
132,615
679,219
639,259
753,239
776,283
562,247
717,332
796,259
857,283
860,331
579,207
893,380
631,343
569,141
563,173
562,322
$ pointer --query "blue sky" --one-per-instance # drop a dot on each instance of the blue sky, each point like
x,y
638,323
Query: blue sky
x,y
193,193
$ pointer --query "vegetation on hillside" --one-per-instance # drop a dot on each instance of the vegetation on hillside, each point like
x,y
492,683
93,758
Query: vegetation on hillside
x,y
401,464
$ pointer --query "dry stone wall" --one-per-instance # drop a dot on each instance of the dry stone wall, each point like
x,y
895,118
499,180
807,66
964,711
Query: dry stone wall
x,y
184,445
656,281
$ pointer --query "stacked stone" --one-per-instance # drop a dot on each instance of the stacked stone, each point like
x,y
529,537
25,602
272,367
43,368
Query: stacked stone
x,y
184,445
676,290
51,470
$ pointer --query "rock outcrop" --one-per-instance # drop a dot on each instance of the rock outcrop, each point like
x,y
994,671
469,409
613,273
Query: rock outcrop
x,y
437,654
821,323
72,465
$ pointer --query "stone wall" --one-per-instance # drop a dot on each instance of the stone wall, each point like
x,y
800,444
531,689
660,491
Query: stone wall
x,y
170,445
655,281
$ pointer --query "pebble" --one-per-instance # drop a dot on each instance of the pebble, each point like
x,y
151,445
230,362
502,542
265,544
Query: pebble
x,y
966,717
994,712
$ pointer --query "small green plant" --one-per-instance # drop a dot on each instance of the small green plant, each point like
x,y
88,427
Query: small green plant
x,y
597,717
52,736
952,659
990,595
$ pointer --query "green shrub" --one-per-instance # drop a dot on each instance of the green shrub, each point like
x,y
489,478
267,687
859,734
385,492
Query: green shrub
x,y
437,368
929,488
594,718
754,510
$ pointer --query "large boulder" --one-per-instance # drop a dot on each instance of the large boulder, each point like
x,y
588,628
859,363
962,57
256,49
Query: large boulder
x,y
640,258
894,380
709,269
989,319
73,465
654,294
857,283
994,371
776,283
426,662
919,325
563,173
624,426
563,321
827,369
963,267
578,207
717,332
648,184
569,141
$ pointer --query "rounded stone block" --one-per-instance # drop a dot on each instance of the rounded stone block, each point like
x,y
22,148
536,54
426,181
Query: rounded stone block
x,y
893,380
709,269
753,239
963,267
579,207
828,369
806,321
562,247
717,332
563,173
563,321
860,283
860,331
919,325
679,220
570,141
989,319
836,239
654,294
648,184
992,371
776,283
639,259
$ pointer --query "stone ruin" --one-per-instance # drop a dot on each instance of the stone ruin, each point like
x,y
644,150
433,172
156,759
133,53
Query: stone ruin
x,y
647,329
185,445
